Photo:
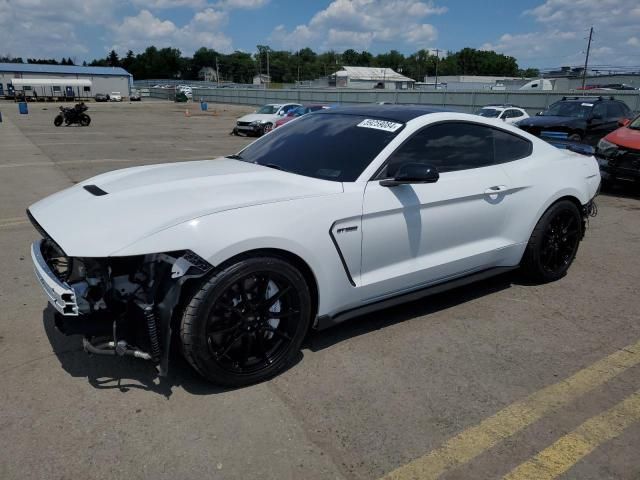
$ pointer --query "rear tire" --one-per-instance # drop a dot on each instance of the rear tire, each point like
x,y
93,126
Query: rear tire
x,y
575,137
246,323
554,243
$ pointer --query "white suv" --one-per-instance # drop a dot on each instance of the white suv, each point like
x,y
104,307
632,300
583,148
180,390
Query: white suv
x,y
508,113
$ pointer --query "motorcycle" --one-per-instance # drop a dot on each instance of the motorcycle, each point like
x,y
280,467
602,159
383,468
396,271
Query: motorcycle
x,y
73,115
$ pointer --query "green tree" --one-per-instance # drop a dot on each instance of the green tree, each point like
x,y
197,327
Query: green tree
x,y
112,59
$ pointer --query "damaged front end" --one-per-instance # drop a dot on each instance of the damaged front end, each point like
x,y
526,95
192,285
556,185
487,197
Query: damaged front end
x,y
121,305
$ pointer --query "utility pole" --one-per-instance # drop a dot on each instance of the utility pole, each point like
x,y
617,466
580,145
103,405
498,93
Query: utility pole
x,y
217,73
586,60
437,59
268,76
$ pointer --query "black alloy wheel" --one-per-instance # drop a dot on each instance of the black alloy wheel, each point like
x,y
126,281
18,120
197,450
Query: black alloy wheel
x,y
554,242
247,322
560,242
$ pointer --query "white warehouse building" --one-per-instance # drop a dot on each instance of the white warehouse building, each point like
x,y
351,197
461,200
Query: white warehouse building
x,y
372,77
61,81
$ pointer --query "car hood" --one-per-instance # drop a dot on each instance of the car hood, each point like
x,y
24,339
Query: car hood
x,y
625,137
252,117
140,201
546,121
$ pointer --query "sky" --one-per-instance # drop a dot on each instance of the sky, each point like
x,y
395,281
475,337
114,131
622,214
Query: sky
x,y
539,33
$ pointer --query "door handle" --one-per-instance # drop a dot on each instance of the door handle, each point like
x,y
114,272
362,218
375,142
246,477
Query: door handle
x,y
496,189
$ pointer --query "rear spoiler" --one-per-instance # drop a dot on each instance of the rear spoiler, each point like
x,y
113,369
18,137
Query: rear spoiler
x,y
560,140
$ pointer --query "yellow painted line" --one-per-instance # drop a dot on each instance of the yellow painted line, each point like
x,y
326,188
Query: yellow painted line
x,y
568,450
475,440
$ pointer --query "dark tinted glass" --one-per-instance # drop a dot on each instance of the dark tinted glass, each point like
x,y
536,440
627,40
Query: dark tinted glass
x,y
600,110
448,147
616,110
459,146
327,146
509,147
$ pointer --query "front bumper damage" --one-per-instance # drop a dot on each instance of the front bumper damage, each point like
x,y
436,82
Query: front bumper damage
x,y
122,306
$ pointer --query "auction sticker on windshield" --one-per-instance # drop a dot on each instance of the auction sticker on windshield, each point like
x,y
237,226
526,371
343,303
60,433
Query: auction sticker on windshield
x,y
379,125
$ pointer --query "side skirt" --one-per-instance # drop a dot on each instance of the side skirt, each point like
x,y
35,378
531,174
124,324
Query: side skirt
x,y
326,321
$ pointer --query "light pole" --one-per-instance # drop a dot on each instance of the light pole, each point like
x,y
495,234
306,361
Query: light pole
x,y
437,60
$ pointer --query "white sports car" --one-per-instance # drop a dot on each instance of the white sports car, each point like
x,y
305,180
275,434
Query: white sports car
x,y
342,212
263,120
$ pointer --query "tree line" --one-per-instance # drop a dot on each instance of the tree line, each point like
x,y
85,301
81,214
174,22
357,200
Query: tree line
x,y
305,64
40,61
302,65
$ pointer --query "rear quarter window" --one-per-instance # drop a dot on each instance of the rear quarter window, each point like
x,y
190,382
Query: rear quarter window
x,y
509,147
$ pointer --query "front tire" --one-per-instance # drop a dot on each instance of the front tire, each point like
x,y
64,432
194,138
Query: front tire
x,y
575,137
247,321
85,120
267,128
58,120
554,243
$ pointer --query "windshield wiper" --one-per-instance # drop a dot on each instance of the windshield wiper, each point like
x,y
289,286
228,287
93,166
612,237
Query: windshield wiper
x,y
274,166
234,156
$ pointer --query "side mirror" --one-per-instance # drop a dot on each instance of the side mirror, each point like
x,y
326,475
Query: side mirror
x,y
413,173
281,113
623,122
538,114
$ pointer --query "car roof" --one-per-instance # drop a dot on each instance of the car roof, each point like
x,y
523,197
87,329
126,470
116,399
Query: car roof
x,y
397,113
504,107
591,99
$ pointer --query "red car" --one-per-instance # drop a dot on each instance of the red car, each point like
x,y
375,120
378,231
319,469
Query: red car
x,y
298,112
619,153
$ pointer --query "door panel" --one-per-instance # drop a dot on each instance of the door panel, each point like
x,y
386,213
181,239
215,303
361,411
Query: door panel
x,y
413,235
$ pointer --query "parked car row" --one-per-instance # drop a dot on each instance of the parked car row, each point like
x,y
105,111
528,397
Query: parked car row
x,y
586,124
592,124
134,96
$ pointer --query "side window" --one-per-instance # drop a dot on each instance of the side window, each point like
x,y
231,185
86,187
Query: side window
x,y
447,146
515,113
615,110
288,108
599,110
510,147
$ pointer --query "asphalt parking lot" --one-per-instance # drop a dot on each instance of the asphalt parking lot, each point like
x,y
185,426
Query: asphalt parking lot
x,y
496,379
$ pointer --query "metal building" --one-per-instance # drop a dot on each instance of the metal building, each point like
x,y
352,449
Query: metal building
x,y
61,81
371,77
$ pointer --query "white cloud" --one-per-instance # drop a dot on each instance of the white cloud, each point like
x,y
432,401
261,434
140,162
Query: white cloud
x,y
158,4
633,41
424,33
246,4
144,29
47,28
564,24
360,23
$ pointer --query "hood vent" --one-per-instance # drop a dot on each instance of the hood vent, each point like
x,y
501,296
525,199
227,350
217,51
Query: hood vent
x,y
95,190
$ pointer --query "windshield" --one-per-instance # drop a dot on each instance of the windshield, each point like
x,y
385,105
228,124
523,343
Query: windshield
x,y
635,124
570,109
267,109
296,112
333,147
490,112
